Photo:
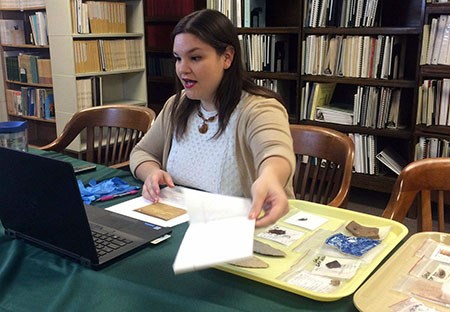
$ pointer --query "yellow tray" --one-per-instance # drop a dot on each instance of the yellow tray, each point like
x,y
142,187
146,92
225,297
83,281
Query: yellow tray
x,y
336,217
380,284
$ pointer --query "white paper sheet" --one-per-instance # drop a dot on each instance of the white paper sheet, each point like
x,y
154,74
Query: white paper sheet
x,y
219,231
169,196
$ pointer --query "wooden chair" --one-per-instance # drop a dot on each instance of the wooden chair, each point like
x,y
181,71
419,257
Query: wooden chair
x,y
428,179
111,132
324,164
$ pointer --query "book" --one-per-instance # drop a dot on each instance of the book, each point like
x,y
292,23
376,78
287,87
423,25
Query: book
x,y
12,65
14,102
45,71
441,26
425,42
84,93
334,114
391,159
49,105
443,52
431,41
12,32
322,96
254,13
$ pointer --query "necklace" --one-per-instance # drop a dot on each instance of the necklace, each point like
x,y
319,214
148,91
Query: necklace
x,y
203,128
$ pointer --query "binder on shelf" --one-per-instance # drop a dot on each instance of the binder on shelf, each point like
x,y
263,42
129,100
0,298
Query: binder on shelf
x,y
391,159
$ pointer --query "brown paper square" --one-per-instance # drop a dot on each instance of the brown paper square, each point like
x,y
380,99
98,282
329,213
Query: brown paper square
x,y
161,211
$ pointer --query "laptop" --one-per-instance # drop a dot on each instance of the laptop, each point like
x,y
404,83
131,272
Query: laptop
x,y
40,202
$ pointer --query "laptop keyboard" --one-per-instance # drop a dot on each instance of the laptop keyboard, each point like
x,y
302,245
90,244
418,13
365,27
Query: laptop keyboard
x,y
108,242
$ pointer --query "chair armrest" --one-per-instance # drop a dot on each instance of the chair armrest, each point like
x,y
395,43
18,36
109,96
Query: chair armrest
x,y
121,165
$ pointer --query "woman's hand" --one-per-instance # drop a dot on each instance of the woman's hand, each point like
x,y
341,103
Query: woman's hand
x,y
153,176
268,195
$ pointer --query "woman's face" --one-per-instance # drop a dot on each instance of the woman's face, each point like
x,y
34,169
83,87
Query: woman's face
x,y
199,67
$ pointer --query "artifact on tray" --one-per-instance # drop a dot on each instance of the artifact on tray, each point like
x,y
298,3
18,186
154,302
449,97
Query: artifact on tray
x,y
252,263
281,235
267,250
355,246
359,230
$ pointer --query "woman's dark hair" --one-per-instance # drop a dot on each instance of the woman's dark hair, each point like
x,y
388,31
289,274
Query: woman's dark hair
x,y
215,29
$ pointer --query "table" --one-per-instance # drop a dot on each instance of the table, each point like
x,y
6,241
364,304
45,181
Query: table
x,y
33,279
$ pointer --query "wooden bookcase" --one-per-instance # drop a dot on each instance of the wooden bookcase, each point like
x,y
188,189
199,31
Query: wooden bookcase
x,y
436,132
394,18
402,19
119,82
41,130
160,16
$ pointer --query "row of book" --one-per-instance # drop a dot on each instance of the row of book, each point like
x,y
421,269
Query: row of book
x,y
368,158
433,102
378,57
372,107
265,52
165,8
435,41
431,147
39,32
245,13
158,36
98,17
365,153
28,67
160,66
21,4
107,55
89,92
13,31
341,13
30,101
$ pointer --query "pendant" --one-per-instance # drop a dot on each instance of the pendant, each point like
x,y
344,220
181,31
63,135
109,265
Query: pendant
x,y
203,128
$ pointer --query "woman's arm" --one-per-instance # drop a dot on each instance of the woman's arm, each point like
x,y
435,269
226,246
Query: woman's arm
x,y
270,201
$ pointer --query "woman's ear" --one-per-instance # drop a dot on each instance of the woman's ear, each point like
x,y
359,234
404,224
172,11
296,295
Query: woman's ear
x,y
228,57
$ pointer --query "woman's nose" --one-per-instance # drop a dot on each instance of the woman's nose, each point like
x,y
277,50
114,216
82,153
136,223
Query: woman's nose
x,y
183,66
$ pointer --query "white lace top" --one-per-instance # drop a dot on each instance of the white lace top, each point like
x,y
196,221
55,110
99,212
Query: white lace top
x,y
203,162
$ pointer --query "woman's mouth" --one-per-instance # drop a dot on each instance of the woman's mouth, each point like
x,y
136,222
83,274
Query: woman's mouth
x,y
189,83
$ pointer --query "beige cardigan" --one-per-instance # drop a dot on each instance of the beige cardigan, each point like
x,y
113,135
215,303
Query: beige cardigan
x,y
262,131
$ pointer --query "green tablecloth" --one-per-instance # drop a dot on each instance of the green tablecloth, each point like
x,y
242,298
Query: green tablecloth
x,y
32,279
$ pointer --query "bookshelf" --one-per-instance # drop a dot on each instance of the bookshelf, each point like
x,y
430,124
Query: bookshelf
x,y
391,23
160,17
26,65
432,132
98,60
375,77
315,32
270,34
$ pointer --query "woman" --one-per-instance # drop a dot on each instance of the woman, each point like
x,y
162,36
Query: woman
x,y
220,132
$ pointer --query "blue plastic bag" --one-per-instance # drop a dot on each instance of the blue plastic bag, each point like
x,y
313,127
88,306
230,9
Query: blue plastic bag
x,y
356,246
